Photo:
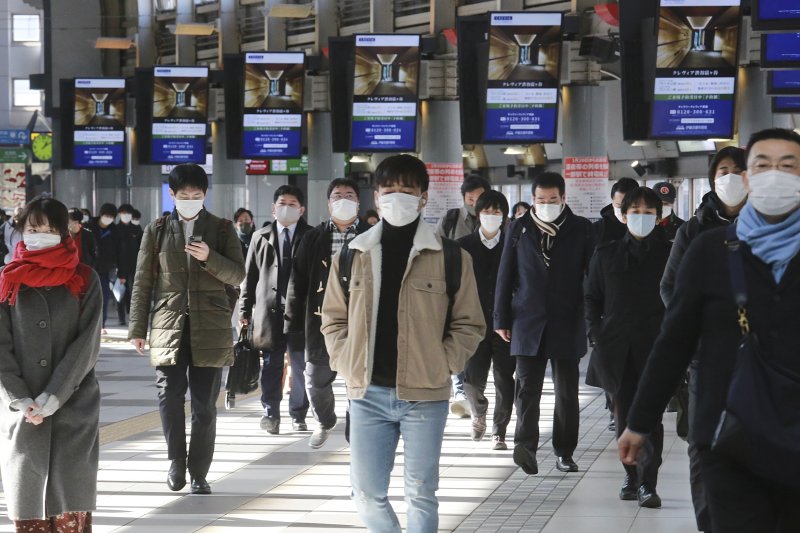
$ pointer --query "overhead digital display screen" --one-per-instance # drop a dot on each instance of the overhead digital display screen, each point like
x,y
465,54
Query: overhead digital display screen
x,y
783,82
273,104
780,50
524,67
696,66
776,15
180,111
385,92
99,123
786,104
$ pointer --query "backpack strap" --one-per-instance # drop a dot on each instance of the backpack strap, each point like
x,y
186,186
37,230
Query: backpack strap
x,y
158,241
450,222
738,282
452,274
345,267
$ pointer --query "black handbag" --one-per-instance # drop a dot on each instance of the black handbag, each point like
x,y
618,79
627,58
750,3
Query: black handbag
x,y
760,426
243,376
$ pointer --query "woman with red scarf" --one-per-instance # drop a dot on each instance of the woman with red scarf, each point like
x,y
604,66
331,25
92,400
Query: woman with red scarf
x,y
50,320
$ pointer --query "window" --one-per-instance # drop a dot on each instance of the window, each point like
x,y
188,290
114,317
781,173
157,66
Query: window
x,y
24,96
166,5
26,28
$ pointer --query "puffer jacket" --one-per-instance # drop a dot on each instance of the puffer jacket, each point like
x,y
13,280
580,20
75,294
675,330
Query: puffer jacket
x,y
174,283
425,360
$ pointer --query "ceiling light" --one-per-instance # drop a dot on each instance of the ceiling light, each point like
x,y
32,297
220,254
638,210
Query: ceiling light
x,y
515,150
360,158
640,143
639,168
291,11
192,28
114,43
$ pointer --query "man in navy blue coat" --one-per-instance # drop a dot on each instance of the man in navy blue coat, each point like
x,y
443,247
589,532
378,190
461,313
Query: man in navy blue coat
x,y
539,310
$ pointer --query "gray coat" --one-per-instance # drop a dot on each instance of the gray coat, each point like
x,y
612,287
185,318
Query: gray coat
x,y
49,342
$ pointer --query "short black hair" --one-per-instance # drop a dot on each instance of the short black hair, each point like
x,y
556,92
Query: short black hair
x,y
241,211
86,212
46,210
492,200
108,209
371,213
75,214
474,182
780,134
343,182
402,169
642,195
137,214
729,152
623,185
549,180
291,190
517,205
125,208
188,175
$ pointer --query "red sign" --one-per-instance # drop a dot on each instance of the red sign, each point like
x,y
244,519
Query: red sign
x,y
257,167
587,184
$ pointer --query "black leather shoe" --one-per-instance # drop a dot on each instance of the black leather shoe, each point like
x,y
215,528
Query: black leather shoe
x,y
176,477
271,425
566,464
526,460
648,497
628,490
200,486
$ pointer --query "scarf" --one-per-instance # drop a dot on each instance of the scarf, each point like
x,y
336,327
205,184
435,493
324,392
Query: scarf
x,y
775,244
549,231
51,267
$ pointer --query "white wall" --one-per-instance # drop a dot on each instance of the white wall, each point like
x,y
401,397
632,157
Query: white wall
x,y
17,60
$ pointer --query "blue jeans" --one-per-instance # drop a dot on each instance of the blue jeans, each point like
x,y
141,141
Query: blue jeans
x,y
458,386
377,421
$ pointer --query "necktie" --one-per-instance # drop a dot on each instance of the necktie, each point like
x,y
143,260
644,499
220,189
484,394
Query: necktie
x,y
286,253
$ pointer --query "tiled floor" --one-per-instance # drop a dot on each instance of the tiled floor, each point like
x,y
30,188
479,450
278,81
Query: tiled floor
x,y
277,483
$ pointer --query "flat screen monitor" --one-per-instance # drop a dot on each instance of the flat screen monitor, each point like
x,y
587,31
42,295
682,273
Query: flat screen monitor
x,y
99,123
273,104
783,82
385,93
523,78
776,15
786,104
180,114
696,67
690,147
780,50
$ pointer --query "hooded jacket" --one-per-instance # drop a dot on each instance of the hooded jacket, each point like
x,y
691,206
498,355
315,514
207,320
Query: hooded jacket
x,y
608,228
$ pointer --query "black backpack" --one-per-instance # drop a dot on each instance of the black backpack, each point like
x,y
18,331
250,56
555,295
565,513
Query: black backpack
x,y
452,273
450,222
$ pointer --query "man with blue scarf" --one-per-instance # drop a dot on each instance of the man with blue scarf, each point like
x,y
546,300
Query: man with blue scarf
x,y
702,323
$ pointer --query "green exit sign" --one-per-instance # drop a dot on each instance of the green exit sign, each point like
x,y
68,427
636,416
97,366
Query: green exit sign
x,y
289,166
13,155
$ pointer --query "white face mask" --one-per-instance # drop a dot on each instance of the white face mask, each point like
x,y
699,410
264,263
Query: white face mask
x,y
548,212
189,209
40,241
774,192
106,221
287,214
641,225
666,211
344,209
730,189
398,208
125,218
136,222
491,223
618,214
84,219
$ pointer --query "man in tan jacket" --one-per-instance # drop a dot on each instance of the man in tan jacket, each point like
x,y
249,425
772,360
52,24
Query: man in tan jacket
x,y
390,338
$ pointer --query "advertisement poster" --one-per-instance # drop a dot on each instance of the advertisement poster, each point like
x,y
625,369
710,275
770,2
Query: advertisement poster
x,y
12,185
444,190
524,67
696,66
180,110
587,185
273,104
385,93
99,138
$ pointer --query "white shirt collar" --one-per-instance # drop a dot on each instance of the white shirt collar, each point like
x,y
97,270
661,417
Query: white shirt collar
x,y
490,243
280,227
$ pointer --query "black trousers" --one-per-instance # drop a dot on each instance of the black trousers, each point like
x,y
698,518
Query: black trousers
x,y
566,416
319,386
495,352
646,469
204,384
741,502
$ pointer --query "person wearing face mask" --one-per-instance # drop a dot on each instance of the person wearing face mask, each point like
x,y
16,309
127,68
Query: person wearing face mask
x,y
108,251
12,234
185,261
389,337
538,304
670,222
243,222
306,293
520,209
720,207
455,224
610,226
486,247
130,237
83,238
737,291
623,315
50,306
262,307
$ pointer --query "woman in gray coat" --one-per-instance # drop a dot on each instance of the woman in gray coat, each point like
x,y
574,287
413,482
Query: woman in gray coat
x,y
50,320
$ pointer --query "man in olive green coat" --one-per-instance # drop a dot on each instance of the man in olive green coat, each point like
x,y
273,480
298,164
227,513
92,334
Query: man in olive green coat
x,y
184,263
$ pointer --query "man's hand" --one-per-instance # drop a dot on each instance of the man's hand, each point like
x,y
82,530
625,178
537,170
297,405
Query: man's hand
x,y
630,445
139,345
30,417
244,322
505,334
121,280
198,250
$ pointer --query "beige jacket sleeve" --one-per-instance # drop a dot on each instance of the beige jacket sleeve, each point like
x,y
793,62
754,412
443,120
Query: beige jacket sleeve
x,y
335,314
467,324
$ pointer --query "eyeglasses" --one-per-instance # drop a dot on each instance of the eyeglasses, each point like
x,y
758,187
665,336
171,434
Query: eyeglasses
x,y
790,166
348,196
